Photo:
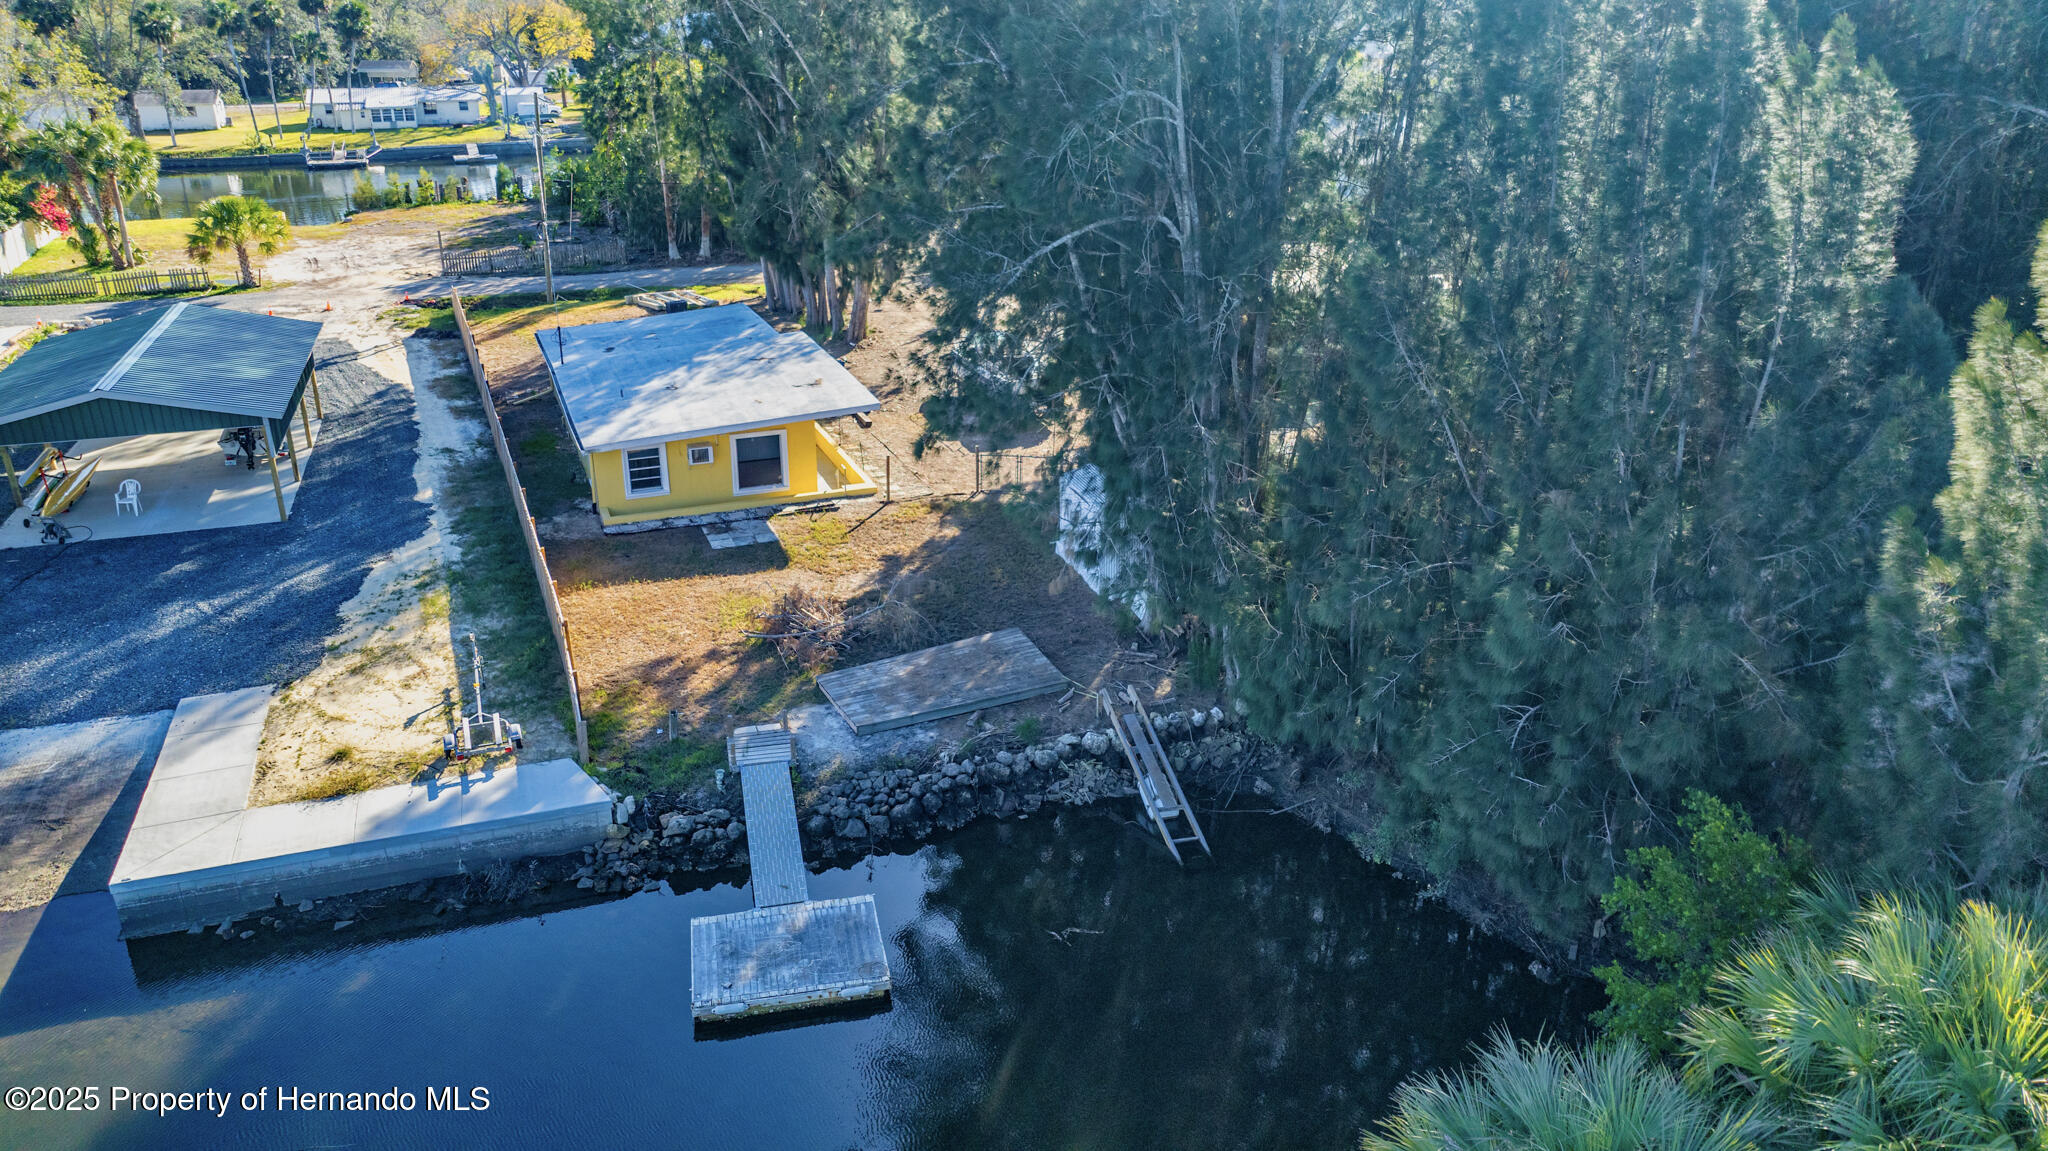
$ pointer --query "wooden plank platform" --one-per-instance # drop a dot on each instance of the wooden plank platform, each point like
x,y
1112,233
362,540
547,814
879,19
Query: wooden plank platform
x,y
776,855
951,679
810,954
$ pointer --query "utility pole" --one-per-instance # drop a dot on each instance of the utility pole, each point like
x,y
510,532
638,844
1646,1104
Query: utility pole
x,y
540,180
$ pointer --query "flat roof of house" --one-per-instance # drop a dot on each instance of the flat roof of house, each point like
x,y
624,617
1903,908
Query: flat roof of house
x,y
637,383
390,95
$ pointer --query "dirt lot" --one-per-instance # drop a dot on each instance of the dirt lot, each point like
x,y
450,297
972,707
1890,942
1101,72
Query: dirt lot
x,y
657,620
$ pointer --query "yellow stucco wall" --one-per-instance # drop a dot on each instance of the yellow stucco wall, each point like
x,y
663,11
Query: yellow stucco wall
x,y
697,488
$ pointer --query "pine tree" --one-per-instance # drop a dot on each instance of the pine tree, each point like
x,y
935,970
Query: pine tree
x,y
1957,663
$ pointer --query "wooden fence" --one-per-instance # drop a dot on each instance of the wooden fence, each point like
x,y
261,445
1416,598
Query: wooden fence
x,y
501,261
538,554
56,286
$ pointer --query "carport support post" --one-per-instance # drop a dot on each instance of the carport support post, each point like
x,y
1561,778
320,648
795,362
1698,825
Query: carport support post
x,y
306,424
276,485
319,409
13,481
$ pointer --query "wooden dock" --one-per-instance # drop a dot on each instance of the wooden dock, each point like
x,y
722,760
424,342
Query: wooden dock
x,y
763,755
951,679
790,951
1159,789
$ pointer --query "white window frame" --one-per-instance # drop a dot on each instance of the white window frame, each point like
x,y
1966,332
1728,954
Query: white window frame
x,y
626,472
710,450
734,445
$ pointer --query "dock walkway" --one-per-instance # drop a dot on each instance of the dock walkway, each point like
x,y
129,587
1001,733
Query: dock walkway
x,y
790,951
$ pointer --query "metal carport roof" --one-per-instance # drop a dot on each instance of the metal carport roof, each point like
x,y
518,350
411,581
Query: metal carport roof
x,y
188,367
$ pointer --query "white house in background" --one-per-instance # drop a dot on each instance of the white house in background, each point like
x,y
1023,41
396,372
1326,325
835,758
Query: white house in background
x,y
398,106
204,109
388,71
521,101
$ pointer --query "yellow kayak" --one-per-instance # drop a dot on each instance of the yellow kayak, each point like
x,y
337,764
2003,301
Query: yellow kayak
x,y
69,489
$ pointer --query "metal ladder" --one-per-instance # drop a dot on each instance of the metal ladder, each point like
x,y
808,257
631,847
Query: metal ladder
x,y
1159,788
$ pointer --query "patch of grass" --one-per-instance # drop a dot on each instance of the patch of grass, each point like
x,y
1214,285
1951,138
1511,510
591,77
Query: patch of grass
x,y
240,140
665,765
493,586
335,784
435,605
1028,729
734,612
727,293
157,243
817,544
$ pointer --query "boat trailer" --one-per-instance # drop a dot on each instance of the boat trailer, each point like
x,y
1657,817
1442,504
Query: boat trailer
x,y
483,733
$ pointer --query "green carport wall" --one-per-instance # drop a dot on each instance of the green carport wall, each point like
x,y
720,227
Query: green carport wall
x,y
100,419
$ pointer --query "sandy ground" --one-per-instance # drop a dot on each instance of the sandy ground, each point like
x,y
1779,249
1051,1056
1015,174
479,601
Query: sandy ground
x,y
392,682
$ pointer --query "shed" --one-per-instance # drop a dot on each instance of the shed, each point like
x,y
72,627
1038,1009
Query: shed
x,y
702,412
185,368
202,109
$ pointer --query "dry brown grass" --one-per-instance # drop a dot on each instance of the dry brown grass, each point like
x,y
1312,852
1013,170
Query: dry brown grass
x,y
657,620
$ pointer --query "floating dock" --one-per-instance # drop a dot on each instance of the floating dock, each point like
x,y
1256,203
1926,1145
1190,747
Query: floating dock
x,y
790,951
950,679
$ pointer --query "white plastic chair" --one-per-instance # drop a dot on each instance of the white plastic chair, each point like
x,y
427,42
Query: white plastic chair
x,y
128,495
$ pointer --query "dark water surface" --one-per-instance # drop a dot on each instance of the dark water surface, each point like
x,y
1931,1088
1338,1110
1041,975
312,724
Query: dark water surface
x,y
1059,984
323,196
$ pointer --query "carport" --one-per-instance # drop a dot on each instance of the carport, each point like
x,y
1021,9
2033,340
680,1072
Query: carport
x,y
138,397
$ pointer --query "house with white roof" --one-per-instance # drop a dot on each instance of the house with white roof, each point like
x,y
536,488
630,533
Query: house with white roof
x,y
200,110
393,106
705,411
521,99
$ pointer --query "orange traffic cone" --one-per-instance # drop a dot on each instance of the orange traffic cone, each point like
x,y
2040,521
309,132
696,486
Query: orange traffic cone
x,y
329,307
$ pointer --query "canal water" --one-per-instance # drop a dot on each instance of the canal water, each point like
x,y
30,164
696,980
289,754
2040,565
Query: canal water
x,y
315,197
1059,984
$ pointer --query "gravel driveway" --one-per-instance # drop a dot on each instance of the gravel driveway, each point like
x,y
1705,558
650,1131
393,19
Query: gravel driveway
x,y
125,627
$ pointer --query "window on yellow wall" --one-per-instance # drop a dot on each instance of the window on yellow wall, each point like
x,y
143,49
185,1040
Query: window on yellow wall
x,y
757,463
645,475
700,453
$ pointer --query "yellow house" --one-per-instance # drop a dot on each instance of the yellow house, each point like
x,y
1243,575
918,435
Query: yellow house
x,y
694,413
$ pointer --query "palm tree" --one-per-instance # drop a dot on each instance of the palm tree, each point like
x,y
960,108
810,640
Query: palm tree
x,y
133,174
236,222
116,165
351,32
1915,1021
267,17
227,20
314,50
157,22
1541,1097
57,155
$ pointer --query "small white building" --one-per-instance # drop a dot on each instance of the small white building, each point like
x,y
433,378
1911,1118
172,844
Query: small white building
x,y
522,99
395,106
201,110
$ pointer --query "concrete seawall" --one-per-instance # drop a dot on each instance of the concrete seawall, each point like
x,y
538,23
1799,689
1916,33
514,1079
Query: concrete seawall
x,y
196,854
